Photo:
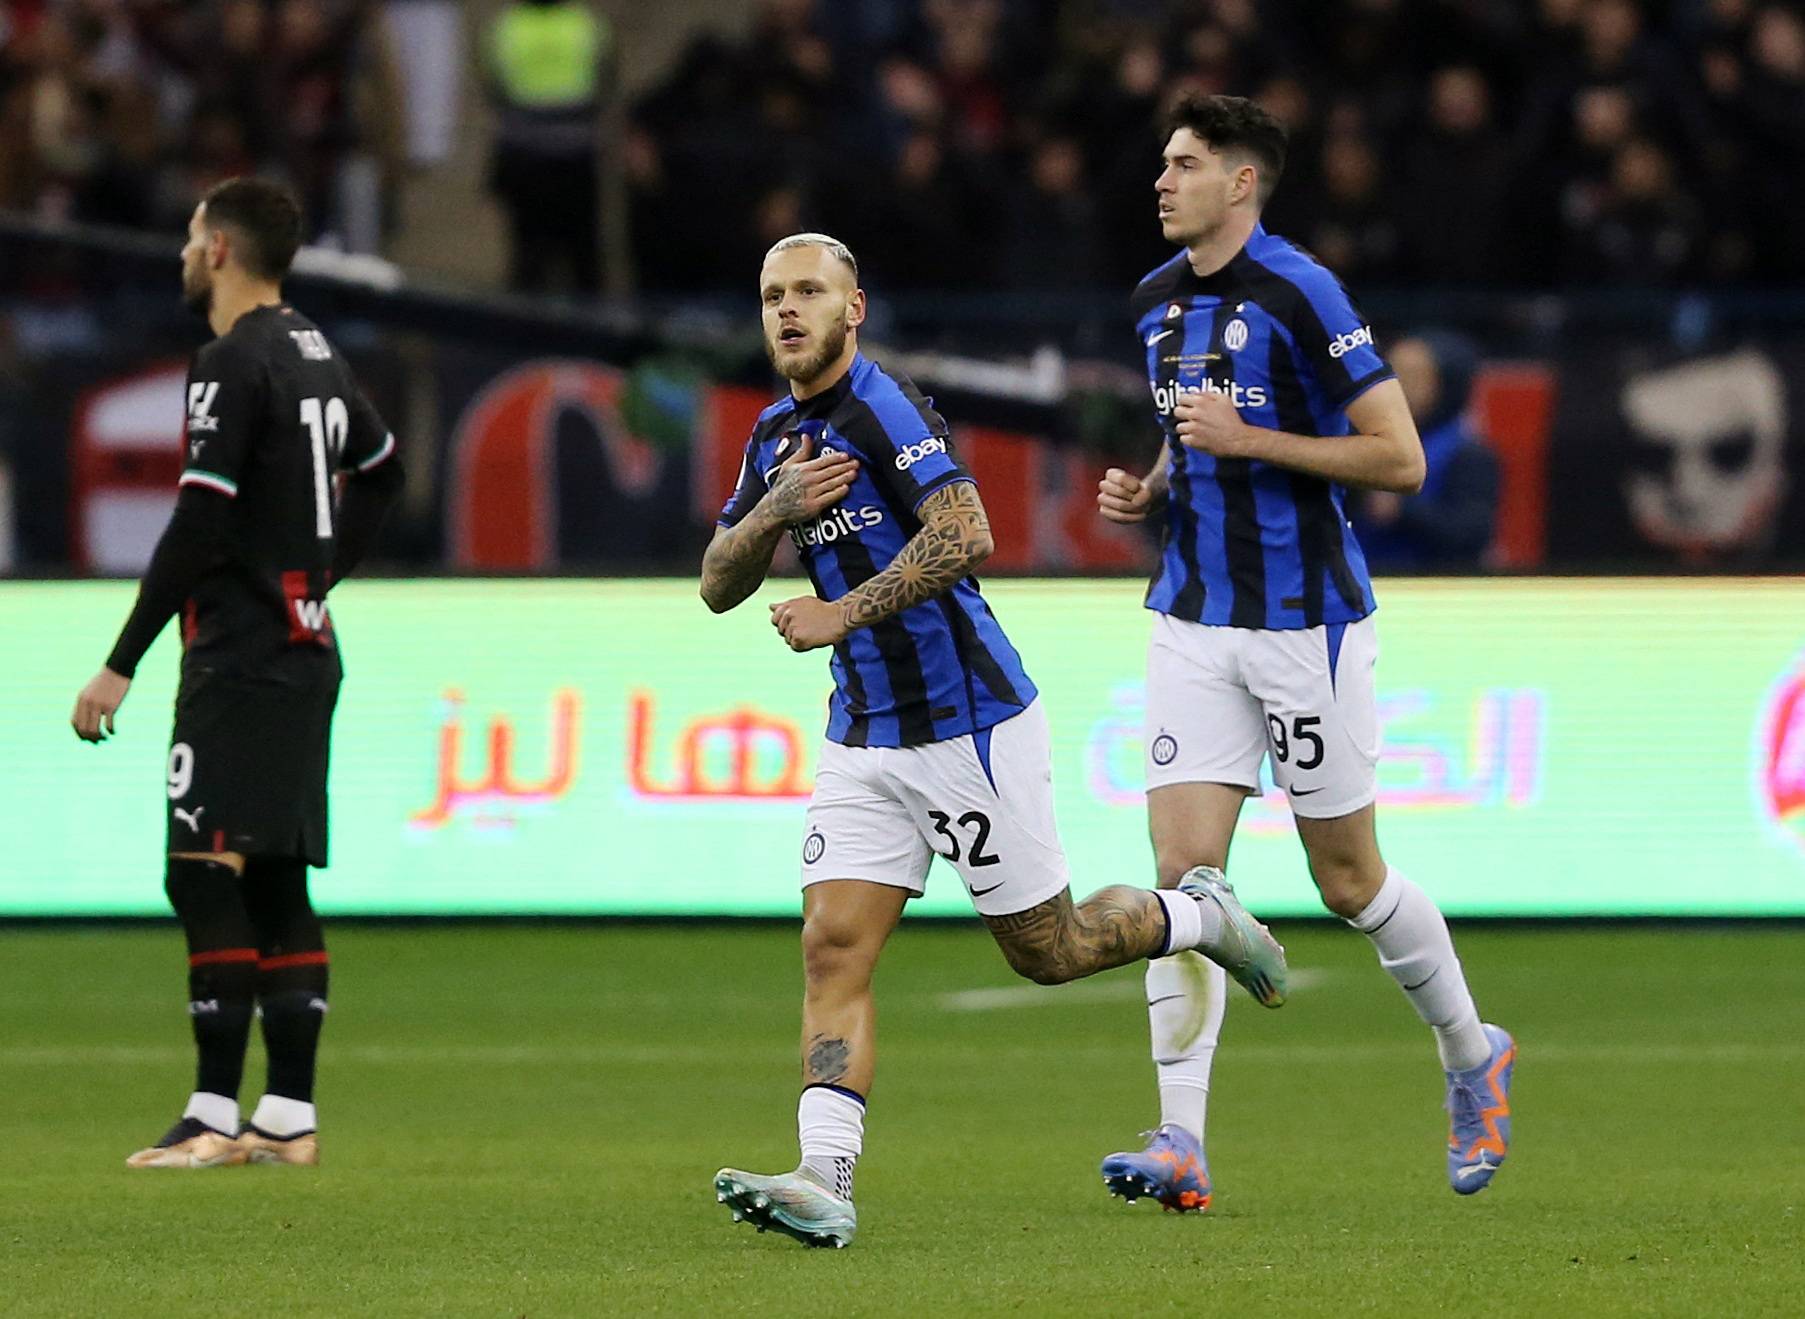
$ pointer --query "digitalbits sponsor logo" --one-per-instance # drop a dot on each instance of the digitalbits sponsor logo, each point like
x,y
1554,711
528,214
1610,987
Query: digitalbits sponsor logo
x,y
813,847
1165,749
1166,396
835,524
1781,767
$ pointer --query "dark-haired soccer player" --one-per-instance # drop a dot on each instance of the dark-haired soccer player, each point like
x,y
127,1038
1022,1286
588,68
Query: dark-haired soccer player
x,y
258,537
1273,399
935,741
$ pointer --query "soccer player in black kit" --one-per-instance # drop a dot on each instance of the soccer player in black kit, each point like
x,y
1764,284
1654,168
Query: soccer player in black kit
x,y
288,474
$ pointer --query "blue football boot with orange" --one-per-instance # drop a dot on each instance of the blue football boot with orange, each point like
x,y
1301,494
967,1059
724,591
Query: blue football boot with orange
x,y
1171,1170
1479,1115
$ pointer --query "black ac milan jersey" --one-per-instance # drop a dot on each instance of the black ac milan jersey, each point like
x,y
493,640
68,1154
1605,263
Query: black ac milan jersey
x,y
273,417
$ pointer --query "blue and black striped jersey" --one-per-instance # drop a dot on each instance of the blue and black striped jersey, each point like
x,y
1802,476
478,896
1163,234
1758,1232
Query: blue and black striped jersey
x,y
940,669
1248,544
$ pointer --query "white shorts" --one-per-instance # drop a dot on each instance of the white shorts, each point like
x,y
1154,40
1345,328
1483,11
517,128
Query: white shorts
x,y
983,802
1219,698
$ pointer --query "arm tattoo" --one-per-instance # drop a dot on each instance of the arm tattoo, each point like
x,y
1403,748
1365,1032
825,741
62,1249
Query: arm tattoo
x,y
954,538
1060,940
738,558
827,1060
783,501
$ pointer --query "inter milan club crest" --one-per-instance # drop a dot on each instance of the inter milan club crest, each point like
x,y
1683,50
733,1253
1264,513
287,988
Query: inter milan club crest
x,y
1174,311
813,847
1234,335
1165,749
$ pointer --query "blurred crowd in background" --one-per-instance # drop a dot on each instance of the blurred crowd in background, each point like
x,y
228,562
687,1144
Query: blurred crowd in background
x,y
124,111
966,144
991,162
1480,142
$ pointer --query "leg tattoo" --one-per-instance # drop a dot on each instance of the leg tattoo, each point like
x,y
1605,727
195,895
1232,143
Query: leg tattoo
x,y
826,1060
1061,940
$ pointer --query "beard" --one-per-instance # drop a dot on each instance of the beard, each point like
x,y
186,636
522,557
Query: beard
x,y
197,296
806,368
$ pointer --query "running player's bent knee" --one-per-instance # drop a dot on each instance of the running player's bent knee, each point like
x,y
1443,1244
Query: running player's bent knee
x,y
1346,888
835,951
1040,944
1044,966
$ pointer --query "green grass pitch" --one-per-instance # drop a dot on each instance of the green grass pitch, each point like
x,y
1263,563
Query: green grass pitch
x,y
524,1120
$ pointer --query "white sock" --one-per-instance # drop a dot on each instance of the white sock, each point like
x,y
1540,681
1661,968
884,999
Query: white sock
x,y
1186,995
1414,946
1189,923
277,1116
218,1111
831,1124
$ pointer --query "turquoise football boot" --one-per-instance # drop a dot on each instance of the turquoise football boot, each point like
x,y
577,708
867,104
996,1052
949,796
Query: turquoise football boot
x,y
793,1203
1246,950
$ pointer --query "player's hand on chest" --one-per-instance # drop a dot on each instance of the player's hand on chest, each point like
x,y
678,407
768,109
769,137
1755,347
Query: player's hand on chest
x,y
803,481
1210,422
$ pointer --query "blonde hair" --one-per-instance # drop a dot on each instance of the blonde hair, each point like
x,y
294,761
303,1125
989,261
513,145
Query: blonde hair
x,y
835,247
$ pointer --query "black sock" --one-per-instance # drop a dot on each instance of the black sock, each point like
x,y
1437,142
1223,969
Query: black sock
x,y
222,968
291,1035
291,973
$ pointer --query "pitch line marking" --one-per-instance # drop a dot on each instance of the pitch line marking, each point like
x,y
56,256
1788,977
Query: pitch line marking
x,y
1005,998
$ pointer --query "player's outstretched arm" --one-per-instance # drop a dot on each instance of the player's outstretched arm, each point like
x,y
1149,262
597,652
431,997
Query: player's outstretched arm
x,y
738,557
